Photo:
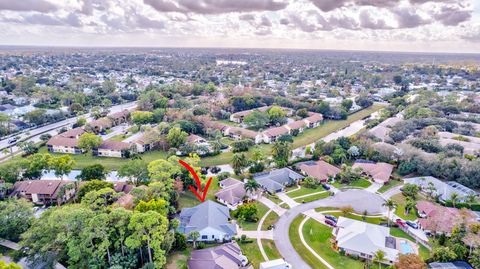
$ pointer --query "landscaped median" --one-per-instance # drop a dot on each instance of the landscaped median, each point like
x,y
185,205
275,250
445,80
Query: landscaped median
x,y
313,197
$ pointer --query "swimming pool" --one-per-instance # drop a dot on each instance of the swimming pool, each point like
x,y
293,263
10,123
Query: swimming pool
x,y
405,247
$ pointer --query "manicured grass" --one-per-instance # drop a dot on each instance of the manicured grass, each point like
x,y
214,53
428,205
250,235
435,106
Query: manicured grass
x,y
252,226
369,219
313,135
327,208
307,137
391,184
400,210
306,255
272,218
361,184
285,205
252,252
188,199
313,197
422,251
304,191
270,249
119,137
318,237
273,197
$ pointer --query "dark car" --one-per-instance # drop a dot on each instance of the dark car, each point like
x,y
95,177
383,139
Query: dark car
x,y
412,224
331,223
11,141
215,169
332,218
326,187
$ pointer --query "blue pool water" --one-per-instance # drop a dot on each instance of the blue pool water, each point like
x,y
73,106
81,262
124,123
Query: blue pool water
x,y
405,247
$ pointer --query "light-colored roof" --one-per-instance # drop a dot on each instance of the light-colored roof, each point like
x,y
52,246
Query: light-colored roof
x,y
363,237
442,188
314,117
232,192
114,145
226,256
73,133
297,124
207,214
380,172
276,179
320,170
276,131
243,132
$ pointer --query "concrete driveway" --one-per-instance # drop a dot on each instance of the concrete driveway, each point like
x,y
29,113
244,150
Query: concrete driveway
x,y
360,200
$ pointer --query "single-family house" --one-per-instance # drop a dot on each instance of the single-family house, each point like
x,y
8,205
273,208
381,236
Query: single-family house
x,y
43,192
320,170
439,219
362,239
276,180
379,172
115,149
233,193
441,189
226,256
210,219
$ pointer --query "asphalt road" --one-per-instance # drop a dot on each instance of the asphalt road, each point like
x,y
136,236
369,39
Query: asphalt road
x,y
34,134
360,200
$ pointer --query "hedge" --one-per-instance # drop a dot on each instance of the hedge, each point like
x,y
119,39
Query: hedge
x,y
474,207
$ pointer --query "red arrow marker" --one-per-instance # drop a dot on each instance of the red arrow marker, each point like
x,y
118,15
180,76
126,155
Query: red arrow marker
x,y
197,180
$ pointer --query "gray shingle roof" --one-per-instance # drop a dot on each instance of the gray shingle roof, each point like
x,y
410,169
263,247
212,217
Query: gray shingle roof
x,y
274,180
207,214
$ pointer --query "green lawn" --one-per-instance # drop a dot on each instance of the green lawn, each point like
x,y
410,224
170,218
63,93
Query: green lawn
x,y
188,199
423,251
252,252
318,237
252,226
307,137
306,255
391,184
313,197
273,197
178,259
400,210
327,208
119,137
361,184
272,218
369,219
303,191
270,249
284,205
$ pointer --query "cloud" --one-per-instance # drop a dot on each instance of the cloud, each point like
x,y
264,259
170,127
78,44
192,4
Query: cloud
x,y
329,5
368,22
452,15
246,17
216,6
27,5
284,21
144,22
408,18
265,22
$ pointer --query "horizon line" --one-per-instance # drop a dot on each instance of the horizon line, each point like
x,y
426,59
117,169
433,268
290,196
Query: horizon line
x,y
228,47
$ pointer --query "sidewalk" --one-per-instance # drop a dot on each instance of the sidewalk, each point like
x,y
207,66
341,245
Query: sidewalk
x,y
276,208
289,201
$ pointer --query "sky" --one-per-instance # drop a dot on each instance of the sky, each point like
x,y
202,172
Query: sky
x,y
379,25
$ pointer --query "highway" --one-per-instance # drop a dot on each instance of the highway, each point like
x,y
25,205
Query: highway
x,y
52,129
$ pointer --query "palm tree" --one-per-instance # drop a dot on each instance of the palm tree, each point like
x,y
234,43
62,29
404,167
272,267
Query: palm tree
x,y
410,204
251,186
471,198
194,235
391,205
238,162
379,256
431,190
454,197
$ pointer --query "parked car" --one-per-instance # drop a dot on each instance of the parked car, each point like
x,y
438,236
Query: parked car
x,y
325,186
400,223
215,169
332,218
412,224
331,223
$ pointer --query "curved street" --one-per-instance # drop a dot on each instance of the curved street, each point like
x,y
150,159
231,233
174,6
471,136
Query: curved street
x,y
360,200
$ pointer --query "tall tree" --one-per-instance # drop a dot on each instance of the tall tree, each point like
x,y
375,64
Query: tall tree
x,y
379,257
135,170
16,216
88,141
391,205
